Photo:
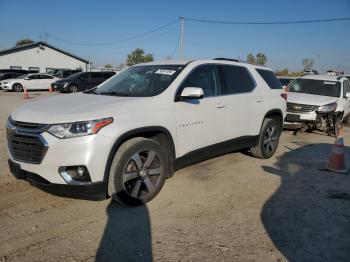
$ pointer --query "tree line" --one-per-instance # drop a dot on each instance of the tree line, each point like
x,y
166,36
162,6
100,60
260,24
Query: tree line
x,y
138,56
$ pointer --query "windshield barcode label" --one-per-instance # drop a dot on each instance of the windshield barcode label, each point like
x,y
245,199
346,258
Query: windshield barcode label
x,y
165,72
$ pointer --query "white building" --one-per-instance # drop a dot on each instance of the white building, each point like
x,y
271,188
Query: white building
x,y
41,57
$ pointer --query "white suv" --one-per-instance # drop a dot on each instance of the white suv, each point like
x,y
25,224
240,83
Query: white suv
x,y
318,102
125,137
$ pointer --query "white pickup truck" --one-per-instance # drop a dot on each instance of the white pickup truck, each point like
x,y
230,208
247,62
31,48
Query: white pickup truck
x,y
317,102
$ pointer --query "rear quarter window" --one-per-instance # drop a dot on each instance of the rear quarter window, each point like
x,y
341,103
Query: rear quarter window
x,y
237,80
270,78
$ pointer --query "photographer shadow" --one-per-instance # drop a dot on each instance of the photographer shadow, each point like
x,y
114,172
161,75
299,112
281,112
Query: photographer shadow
x,y
304,218
127,235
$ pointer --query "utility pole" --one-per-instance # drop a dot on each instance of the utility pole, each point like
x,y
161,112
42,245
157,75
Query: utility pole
x,y
182,37
46,36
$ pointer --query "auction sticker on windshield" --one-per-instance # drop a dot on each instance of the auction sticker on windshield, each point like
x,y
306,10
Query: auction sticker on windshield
x,y
165,72
329,83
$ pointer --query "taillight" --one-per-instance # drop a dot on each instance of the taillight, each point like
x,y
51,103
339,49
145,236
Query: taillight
x,y
284,95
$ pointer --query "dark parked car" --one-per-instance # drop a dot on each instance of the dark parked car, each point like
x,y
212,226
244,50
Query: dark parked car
x,y
81,81
64,73
9,75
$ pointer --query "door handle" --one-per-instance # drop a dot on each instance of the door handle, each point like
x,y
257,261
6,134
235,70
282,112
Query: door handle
x,y
220,105
258,100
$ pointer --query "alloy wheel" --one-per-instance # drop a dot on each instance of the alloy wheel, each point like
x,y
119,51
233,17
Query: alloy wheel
x,y
270,139
142,173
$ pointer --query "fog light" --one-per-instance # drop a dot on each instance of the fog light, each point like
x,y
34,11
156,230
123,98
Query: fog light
x,y
75,174
81,171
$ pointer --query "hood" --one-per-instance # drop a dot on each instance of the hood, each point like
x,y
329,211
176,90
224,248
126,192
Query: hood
x,y
72,108
309,99
11,80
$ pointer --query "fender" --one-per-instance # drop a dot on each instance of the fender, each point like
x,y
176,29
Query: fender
x,y
130,134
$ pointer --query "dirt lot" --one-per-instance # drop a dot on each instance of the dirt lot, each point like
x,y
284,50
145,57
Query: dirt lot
x,y
231,208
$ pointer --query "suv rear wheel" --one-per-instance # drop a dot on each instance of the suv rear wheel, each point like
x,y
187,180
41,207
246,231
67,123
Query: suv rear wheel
x,y
138,171
268,139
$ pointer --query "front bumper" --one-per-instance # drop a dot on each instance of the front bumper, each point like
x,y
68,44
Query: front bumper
x,y
6,87
91,191
60,88
89,151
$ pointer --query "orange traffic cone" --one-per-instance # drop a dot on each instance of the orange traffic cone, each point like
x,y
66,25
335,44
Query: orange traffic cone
x,y
336,161
25,94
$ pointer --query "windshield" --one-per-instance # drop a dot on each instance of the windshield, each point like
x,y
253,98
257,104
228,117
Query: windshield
x,y
73,76
23,76
141,81
315,87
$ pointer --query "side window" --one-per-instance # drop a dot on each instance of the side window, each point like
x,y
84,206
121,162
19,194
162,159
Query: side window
x,y
236,80
34,77
205,77
45,77
96,75
85,76
270,78
346,85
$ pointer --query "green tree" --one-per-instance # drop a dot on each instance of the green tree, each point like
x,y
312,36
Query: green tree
x,y
108,66
261,58
138,56
251,58
283,72
24,41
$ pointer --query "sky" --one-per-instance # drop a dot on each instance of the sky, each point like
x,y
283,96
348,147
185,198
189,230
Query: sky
x,y
91,23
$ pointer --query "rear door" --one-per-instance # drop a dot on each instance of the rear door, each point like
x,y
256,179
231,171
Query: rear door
x,y
244,99
85,82
96,79
45,81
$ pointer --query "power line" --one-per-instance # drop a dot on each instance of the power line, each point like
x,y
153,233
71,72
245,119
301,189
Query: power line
x,y
104,50
116,41
267,23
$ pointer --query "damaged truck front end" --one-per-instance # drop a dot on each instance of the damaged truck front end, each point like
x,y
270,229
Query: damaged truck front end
x,y
311,117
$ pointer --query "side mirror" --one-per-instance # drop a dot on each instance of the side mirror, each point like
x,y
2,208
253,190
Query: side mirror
x,y
347,95
192,93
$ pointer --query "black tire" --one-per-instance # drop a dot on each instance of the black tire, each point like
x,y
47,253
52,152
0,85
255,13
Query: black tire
x,y
17,87
268,142
73,89
131,174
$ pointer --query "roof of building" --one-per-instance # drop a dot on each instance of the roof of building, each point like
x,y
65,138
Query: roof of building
x,y
36,44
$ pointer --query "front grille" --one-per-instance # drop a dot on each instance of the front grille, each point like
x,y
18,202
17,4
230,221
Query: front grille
x,y
25,142
300,108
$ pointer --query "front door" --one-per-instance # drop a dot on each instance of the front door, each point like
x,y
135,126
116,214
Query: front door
x,y
201,122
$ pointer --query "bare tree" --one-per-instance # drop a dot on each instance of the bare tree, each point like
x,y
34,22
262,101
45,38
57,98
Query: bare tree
x,y
308,63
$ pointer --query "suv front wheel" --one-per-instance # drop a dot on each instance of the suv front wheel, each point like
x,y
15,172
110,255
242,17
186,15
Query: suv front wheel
x,y
138,171
268,139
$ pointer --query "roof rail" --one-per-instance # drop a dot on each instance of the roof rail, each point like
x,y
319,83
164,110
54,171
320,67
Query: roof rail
x,y
227,59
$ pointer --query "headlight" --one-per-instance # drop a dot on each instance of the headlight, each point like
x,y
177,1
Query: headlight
x,y
76,129
327,108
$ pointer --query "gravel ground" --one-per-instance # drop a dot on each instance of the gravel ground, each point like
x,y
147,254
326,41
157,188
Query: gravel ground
x,y
230,208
